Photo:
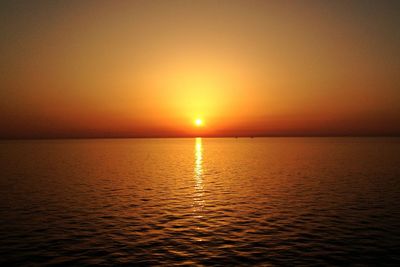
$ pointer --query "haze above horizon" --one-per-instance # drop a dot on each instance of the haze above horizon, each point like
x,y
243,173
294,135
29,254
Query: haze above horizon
x,y
199,68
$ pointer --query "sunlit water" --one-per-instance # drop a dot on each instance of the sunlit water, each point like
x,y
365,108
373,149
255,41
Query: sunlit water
x,y
261,201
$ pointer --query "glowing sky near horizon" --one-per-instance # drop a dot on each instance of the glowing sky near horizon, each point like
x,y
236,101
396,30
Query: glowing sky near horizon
x,y
150,68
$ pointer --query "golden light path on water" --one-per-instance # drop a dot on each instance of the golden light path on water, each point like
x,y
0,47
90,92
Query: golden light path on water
x,y
198,176
198,161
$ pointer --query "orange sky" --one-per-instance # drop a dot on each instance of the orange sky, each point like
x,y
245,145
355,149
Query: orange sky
x,y
150,68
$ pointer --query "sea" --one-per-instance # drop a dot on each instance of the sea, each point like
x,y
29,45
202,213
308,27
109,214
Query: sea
x,y
200,202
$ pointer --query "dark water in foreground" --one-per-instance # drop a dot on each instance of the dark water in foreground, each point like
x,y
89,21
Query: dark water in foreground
x,y
261,201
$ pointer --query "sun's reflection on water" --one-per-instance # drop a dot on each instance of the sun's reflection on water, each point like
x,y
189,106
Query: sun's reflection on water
x,y
198,175
198,168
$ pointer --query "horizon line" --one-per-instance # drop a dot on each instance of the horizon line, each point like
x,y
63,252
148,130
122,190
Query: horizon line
x,y
207,136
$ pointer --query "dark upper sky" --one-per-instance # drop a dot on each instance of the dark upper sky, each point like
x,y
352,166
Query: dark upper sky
x,y
149,68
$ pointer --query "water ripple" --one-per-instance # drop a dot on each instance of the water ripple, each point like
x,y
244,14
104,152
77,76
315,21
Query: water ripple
x,y
184,202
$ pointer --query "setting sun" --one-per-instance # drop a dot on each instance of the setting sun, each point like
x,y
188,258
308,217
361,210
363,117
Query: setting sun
x,y
198,122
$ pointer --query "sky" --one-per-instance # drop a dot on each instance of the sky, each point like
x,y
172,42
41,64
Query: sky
x,y
245,68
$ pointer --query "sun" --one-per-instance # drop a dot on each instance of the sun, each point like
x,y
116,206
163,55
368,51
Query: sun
x,y
198,122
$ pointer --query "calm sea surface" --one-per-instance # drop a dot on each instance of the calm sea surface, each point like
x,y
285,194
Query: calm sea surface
x,y
260,201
